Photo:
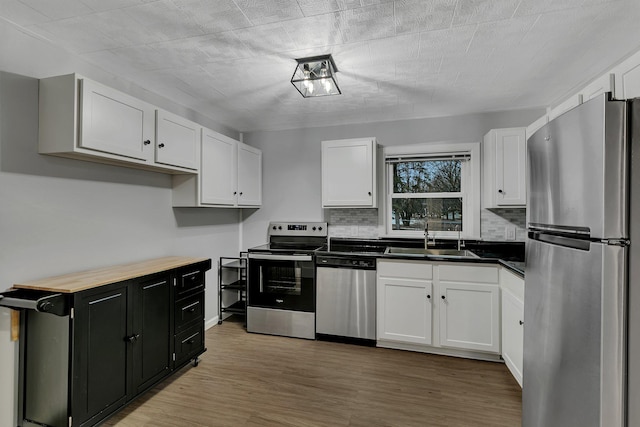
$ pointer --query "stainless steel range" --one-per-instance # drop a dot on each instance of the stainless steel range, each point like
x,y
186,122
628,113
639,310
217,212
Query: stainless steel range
x,y
281,296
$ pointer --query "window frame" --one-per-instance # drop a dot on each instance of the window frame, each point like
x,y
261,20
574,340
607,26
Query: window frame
x,y
469,181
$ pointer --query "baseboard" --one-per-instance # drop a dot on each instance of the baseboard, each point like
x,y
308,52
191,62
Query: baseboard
x,y
489,357
211,322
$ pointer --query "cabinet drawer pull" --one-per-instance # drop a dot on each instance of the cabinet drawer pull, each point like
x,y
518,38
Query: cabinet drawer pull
x,y
132,338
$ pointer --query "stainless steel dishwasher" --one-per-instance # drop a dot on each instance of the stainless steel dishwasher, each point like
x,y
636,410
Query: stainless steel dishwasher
x,y
346,297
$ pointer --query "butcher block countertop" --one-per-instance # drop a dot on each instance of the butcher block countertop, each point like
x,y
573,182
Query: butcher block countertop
x,y
80,281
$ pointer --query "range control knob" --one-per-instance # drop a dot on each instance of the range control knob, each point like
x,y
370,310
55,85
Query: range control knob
x,y
279,227
275,228
314,229
319,228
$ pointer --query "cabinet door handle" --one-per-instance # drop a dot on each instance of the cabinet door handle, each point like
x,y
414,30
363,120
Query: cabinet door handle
x,y
428,296
521,322
146,142
443,297
160,145
500,191
235,192
132,338
241,193
369,193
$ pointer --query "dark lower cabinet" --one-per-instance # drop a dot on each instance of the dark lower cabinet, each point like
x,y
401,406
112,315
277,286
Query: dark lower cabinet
x,y
117,342
150,338
100,352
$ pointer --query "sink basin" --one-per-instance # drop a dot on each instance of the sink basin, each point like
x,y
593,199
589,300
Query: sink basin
x,y
442,253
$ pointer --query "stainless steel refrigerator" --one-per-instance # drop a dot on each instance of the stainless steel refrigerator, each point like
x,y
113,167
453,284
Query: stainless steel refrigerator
x,y
582,311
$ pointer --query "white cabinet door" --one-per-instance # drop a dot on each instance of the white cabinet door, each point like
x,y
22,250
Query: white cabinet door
x,y
249,175
349,173
504,165
469,316
177,140
510,158
115,123
627,78
218,173
512,333
404,310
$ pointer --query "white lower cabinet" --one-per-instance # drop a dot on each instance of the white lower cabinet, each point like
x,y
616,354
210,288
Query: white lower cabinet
x,y
451,308
469,316
512,322
404,310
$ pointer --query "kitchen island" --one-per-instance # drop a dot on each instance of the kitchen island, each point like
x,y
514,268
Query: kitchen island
x,y
110,334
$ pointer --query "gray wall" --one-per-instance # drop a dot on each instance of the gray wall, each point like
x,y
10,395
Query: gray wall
x,y
291,180
59,215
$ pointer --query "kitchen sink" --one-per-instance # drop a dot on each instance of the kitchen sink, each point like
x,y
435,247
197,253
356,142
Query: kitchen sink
x,y
442,253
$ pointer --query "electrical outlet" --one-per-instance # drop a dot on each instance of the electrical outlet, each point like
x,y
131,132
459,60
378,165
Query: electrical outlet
x,y
510,232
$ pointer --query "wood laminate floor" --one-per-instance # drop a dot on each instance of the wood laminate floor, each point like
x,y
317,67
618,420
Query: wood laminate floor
x,y
259,380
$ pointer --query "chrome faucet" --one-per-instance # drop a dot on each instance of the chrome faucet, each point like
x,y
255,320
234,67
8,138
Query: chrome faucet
x,y
426,236
460,242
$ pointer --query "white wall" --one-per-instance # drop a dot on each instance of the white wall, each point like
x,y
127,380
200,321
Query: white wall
x,y
59,215
291,181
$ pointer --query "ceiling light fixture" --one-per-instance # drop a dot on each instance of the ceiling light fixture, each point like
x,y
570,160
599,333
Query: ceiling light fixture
x,y
316,76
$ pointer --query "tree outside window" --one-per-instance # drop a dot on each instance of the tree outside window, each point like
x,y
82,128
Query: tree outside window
x,y
427,192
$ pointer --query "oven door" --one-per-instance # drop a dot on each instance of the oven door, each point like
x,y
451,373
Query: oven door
x,y
285,282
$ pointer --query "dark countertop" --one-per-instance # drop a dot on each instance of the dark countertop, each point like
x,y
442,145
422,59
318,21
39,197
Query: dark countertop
x,y
507,254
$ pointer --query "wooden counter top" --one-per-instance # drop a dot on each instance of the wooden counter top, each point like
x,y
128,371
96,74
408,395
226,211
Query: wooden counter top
x,y
80,281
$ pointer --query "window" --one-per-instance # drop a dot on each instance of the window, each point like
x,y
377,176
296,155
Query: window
x,y
436,185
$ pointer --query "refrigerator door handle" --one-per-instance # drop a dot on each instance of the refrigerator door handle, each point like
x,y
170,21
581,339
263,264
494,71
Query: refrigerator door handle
x,y
576,232
559,240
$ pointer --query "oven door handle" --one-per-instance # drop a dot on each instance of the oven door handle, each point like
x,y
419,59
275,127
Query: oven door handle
x,y
281,257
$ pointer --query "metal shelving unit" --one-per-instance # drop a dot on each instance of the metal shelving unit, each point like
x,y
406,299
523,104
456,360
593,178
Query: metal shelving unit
x,y
232,286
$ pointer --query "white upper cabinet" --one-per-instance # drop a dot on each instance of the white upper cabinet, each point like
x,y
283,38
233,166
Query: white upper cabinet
x,y
115,123
249,175
177,140
565,106
599,86
533,127
82,119
218,178
230,175
627,78
349,173
504,165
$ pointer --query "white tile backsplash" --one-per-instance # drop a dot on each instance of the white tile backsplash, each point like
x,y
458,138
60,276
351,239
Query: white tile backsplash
x,y
363,223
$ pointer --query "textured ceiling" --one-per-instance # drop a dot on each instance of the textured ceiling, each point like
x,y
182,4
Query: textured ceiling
x,y
232,60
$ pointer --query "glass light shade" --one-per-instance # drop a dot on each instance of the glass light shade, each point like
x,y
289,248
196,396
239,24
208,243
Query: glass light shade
x,y
316,76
